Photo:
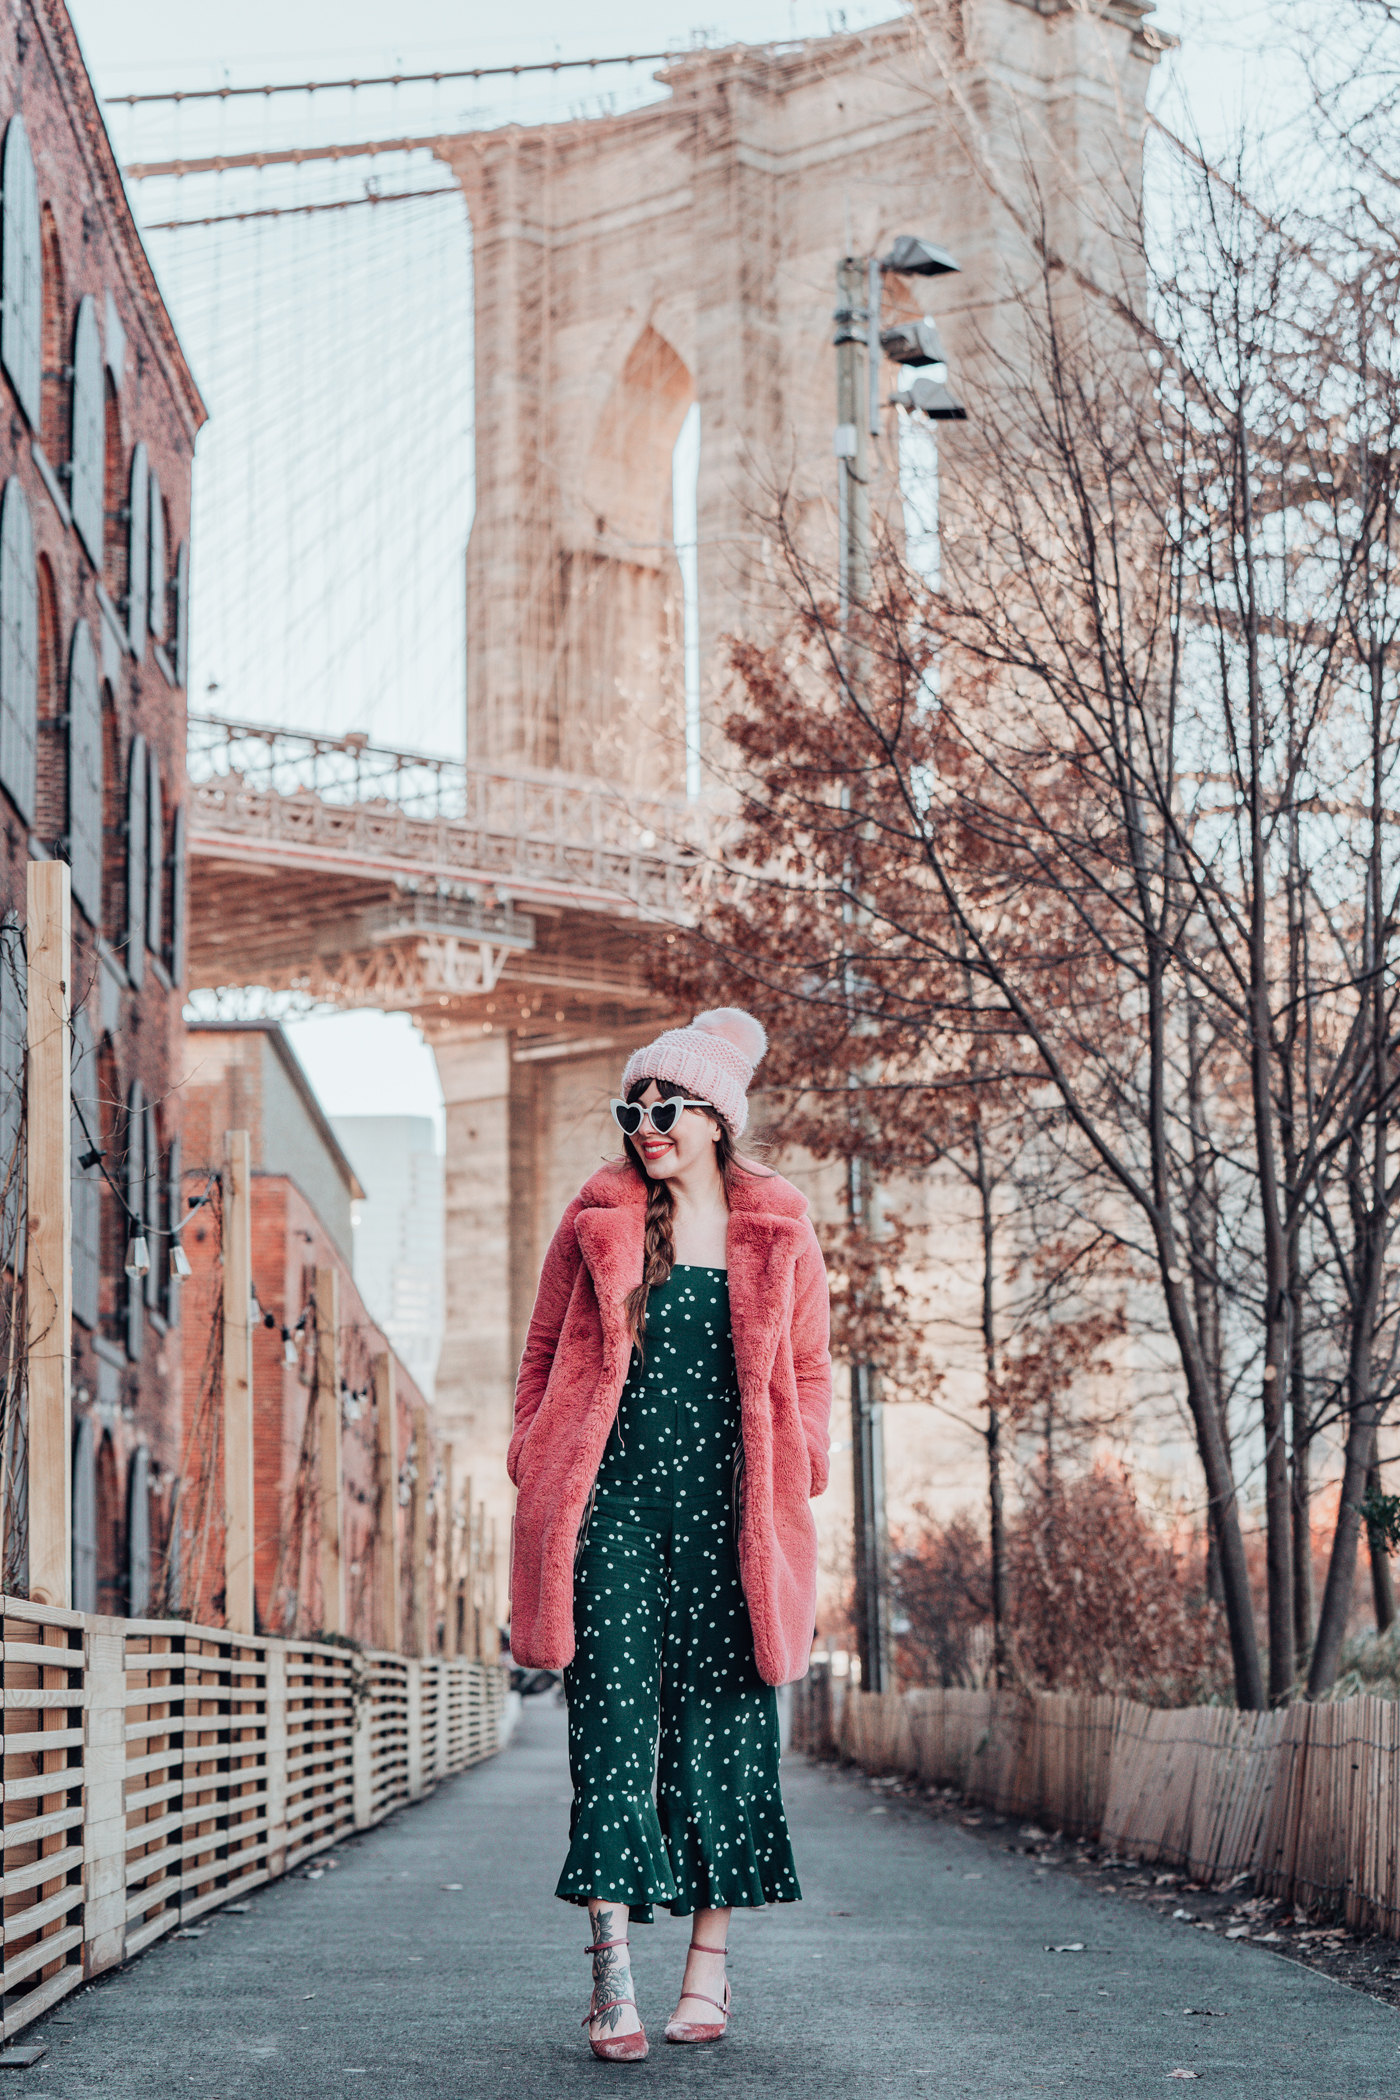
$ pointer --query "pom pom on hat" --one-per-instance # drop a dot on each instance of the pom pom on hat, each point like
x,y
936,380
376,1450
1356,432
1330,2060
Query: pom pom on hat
x,y
713,1060
735,1026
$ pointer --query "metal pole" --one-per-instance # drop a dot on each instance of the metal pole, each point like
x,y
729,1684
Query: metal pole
x,y
857,330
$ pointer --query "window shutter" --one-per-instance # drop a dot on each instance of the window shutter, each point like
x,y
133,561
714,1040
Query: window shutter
x,y
84,1516
84,816
174,1211
138,1534
21,273
151,1203
19,650
87,1182
179,894
182,614
159,579
86,493
137,781
138,548
155,856
13,1033
135,1201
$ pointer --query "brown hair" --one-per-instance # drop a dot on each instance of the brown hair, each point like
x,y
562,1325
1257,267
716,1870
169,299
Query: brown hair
x,y
658,1247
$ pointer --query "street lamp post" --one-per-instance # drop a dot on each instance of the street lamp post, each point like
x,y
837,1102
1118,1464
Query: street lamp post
x,y
858,422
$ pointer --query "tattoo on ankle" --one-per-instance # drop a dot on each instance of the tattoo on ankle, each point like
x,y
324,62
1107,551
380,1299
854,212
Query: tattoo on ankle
x,y
612,1973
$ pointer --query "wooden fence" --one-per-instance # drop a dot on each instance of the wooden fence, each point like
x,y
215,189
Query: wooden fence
x,y
1306,1799
154,1770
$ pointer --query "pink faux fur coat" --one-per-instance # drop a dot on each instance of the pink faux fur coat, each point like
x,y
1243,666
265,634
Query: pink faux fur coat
x,y
572,1373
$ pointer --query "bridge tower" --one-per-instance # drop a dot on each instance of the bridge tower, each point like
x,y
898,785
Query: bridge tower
x,y
626,267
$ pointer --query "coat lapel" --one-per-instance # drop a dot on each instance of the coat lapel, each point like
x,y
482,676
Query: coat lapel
x,y
610,1241
762,1249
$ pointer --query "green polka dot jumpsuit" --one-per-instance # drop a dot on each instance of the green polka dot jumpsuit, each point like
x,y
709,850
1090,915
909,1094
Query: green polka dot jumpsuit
x,y
664,1650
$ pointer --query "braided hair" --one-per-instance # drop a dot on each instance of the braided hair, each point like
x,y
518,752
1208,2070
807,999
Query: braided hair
x,y
658,1244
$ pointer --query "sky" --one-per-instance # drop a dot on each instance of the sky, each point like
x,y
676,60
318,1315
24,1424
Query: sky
x,y
331,514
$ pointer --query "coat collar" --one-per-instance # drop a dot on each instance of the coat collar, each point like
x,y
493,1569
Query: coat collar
x,y
767,1230
757,1193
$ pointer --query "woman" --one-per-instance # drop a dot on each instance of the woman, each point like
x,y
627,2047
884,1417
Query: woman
x,y
671,1421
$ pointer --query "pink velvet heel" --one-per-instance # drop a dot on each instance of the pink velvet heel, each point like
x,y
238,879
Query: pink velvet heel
x,y
702,2030
617,2048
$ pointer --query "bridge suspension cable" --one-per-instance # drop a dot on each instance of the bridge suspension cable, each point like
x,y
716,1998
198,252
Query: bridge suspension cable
x,y
300,211
318,87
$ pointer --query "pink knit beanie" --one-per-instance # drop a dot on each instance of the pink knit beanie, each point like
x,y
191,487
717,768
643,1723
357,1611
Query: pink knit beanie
x,y
713,1059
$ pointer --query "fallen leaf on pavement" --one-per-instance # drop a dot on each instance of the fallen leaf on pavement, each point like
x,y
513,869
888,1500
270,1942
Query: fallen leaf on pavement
x,y
1183,1914
1183,2074
1067,1947
1204,2012
1238,1932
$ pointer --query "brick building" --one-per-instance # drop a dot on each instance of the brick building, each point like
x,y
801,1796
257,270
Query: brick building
x,y
97,441
245,1075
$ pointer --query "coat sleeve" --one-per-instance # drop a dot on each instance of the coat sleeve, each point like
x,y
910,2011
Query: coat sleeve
x,y
561,1267
811,1359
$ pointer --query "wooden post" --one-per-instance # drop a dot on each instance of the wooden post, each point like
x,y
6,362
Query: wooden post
x,y
238,1383
449,1557
104,1827
386,1407
419,1513
49,1243
479,1592
491,1643
328,1442
468,1643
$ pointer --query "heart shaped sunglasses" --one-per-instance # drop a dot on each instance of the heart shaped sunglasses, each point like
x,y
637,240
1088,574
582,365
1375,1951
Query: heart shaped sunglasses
x,y
662,1115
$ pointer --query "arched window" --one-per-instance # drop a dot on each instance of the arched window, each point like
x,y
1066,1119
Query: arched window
x,y
88,481
84,1515
135,1193
179,894
51,752
137,849
182,615
160,581
113,821
54,421
21,274
111,1561
140,569
174,1212
152,1202
85,775
116,528
86,1134
138,1534
19,649
155,856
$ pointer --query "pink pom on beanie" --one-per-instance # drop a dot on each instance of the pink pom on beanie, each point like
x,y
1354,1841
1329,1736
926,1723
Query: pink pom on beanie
x,y
713,1059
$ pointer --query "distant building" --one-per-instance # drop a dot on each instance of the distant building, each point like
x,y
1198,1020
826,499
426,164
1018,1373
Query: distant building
x,y
244,1075
399,1233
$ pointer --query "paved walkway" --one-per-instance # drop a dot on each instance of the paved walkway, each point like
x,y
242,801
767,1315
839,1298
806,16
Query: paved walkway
x,y
916,1965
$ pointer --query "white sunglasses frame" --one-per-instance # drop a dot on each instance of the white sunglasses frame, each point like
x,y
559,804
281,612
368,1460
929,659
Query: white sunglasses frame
x,y
646,1109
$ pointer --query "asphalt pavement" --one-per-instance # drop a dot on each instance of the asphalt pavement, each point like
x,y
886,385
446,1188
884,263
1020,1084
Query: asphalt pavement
x,y
433,1960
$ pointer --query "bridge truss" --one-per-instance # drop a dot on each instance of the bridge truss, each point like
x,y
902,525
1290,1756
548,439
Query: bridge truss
x,y
340,872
